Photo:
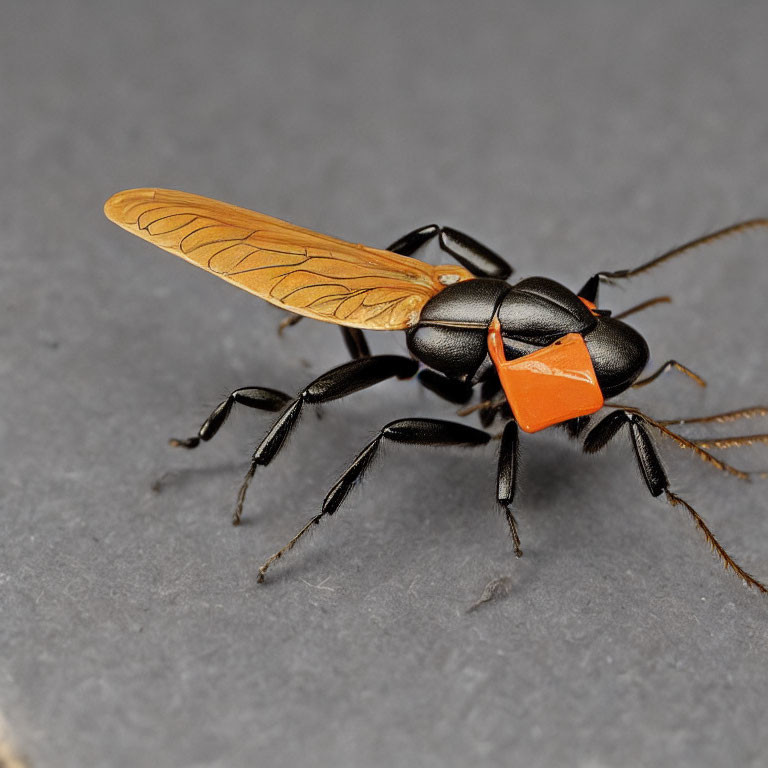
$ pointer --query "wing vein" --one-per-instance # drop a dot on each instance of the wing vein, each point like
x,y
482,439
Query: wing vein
x,y
306,272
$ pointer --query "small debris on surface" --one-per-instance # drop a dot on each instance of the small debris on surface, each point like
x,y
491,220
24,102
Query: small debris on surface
x,y
161,482
495,588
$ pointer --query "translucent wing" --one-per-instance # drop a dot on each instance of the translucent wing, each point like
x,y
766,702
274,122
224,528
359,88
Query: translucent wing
x,y
296,269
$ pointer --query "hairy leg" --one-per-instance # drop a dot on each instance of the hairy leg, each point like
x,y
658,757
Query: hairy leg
x,y
656,477
424,432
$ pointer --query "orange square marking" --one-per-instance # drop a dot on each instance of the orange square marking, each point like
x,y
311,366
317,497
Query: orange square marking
x,y
550,385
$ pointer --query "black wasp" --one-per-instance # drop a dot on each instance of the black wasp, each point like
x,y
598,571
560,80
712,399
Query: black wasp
x,y
539,354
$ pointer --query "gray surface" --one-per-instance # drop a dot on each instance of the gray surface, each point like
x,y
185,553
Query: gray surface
x,y
571,136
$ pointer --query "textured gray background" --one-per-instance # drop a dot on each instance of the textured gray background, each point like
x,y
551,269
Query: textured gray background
x,y
571,137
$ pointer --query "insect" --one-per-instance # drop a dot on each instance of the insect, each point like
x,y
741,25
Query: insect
x,y
539,354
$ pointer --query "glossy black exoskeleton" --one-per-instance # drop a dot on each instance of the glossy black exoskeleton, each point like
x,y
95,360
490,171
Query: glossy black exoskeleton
x,y
451,335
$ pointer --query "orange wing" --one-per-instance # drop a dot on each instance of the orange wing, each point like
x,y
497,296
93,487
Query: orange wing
x,y
296,269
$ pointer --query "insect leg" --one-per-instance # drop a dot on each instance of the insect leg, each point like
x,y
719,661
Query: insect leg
x,y
574,427
734,441
721,418
337,383
491,404
428,432
506,482
643,305
670,365
288,321
354,338
357,346
656,478
261,398
479,259
452,390
686,443
589,290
